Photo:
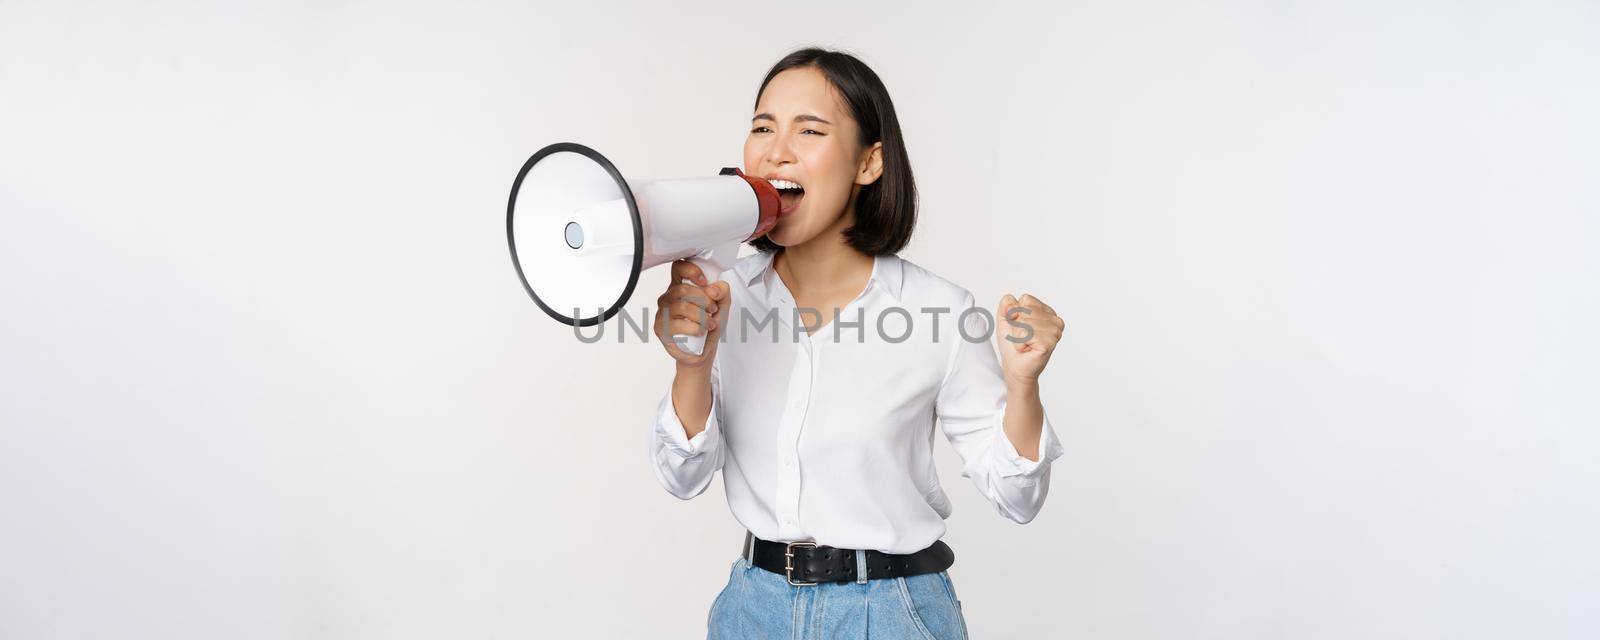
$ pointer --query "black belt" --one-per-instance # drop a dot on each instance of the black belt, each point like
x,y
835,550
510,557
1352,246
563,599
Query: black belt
x,y
807,563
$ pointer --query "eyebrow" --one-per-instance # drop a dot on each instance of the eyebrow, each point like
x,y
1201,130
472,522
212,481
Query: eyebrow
x,y
804,117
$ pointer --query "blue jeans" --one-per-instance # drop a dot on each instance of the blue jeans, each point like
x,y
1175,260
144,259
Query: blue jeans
x,y
759,604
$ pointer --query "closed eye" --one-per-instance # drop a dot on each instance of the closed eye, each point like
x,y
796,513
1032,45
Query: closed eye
x,y
766,130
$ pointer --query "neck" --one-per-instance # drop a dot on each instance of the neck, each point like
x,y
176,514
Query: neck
x,y
824,264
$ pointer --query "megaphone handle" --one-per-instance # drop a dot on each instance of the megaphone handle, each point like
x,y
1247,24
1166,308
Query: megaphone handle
x,y
692,344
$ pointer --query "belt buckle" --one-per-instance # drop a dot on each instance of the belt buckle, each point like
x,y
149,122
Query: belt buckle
x,y
788,563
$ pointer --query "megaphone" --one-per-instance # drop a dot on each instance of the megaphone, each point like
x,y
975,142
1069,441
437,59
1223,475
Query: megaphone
x,y
580,234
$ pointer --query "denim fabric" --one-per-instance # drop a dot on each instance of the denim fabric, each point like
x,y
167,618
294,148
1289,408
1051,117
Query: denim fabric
x,y
757,604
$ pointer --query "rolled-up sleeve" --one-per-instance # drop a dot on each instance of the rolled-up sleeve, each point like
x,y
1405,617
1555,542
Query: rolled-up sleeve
x,y
684,465
971,408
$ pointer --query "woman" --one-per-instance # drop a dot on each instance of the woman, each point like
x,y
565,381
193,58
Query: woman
x,y
824,435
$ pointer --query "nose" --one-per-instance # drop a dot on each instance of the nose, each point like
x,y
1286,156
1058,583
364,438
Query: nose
x,y
778,151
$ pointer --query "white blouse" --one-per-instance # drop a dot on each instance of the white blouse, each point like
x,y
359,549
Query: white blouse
x,y
829,437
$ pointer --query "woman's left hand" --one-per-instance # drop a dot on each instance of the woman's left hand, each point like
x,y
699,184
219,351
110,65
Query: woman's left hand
x,y
1028,331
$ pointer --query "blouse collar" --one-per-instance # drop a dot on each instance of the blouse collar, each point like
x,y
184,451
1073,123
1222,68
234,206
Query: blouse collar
x,y
888,273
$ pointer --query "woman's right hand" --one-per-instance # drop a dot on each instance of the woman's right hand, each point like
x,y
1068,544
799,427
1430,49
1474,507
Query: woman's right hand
x,y
691,308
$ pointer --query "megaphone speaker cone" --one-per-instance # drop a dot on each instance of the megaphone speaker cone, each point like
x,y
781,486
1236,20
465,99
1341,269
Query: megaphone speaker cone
x,y
576,238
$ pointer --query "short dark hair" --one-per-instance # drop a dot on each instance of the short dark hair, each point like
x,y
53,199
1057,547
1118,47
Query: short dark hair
x,y
886,210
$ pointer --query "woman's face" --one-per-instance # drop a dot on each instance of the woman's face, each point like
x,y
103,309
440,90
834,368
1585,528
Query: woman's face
x,y
802,133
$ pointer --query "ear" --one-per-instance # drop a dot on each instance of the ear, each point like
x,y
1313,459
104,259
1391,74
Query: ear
x,y
870,167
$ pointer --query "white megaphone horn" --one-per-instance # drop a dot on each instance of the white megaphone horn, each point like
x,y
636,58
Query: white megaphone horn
x,y
580,234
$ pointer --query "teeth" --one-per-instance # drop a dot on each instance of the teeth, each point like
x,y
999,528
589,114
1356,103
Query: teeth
x,y
785,184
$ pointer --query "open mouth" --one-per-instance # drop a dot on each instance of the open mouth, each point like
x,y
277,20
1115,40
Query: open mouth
x,y
789,194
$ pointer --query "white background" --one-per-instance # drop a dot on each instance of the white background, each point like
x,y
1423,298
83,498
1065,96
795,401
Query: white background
x,y
1329,274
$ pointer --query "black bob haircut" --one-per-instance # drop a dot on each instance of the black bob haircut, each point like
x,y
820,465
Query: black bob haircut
x,y
886,210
